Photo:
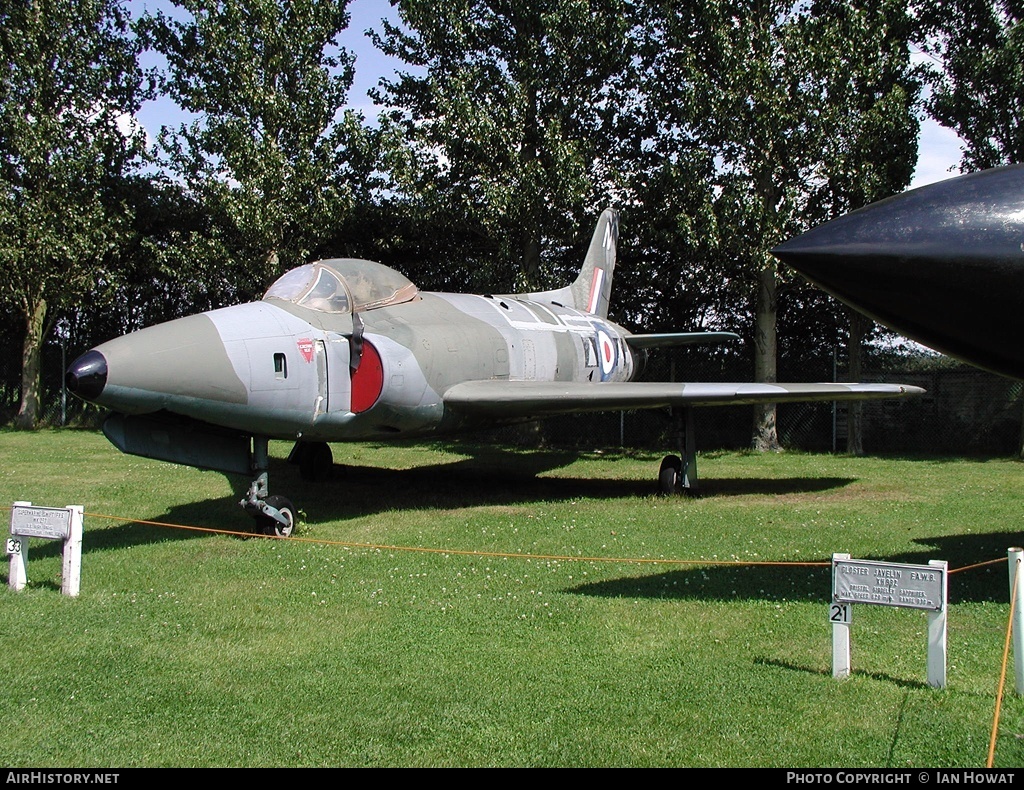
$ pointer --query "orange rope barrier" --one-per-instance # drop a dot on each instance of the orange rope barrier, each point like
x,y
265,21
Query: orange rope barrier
x,y
470,552
460,552
978,565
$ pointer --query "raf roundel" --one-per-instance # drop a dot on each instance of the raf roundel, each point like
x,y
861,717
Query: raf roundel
x,y
606,350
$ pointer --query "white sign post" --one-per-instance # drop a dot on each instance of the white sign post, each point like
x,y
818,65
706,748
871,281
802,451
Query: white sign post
x,y
889,584
1015,555
64,524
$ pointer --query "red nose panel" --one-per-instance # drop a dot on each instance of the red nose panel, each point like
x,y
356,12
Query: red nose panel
x,y
367,380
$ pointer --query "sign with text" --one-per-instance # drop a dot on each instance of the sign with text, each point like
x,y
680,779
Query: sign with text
x,y
65,524
889,584
41,522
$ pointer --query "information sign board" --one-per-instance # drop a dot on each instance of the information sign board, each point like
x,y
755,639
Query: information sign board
x,y
889,584
41,522
63,524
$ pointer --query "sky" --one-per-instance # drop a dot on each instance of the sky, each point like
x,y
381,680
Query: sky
x,y
939,151
939,148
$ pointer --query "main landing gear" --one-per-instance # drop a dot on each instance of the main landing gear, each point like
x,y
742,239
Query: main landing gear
x,y
274,514
679,474
315,460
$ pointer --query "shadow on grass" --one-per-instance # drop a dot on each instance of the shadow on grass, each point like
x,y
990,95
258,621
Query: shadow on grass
x,y
880,676
489,476
499,476
988,582
721,583
747,486
495,477
217,515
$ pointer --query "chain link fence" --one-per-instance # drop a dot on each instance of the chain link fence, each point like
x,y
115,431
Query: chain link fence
x,y
58,407
965,411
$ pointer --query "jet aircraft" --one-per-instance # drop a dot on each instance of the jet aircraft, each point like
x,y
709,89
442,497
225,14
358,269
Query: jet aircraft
x,y
942,264
346,349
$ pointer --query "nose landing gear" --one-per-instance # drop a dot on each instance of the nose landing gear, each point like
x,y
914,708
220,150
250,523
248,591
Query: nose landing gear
x,y
274,514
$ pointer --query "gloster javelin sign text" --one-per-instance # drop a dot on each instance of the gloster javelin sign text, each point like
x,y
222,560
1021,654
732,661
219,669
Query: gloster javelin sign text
x,y
889,584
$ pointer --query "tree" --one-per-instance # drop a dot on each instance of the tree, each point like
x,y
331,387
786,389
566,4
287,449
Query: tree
x,y
269,149
69,78
174,254
876,158
507,112
978,86
804,107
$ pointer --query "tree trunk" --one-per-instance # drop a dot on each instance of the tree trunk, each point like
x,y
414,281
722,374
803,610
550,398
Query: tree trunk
x,y
273,264
530,245
31,367
855,412
766,436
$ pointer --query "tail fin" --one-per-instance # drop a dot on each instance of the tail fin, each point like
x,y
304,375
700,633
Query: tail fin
x,y
592,289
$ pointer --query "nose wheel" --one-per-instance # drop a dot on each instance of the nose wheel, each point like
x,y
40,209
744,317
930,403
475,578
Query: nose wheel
x,y
281,525
274,514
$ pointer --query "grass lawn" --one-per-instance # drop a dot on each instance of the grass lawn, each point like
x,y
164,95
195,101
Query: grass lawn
x,y
461,605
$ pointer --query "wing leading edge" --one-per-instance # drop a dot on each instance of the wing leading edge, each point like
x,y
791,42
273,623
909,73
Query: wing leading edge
x,y
669,339
499,398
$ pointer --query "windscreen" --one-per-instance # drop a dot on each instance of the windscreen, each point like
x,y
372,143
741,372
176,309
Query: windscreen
x,y
341,285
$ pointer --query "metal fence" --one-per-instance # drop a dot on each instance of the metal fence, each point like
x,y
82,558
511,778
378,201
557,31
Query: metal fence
x,y
965,411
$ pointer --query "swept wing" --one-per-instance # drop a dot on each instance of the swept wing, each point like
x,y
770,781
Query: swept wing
x,y
496,398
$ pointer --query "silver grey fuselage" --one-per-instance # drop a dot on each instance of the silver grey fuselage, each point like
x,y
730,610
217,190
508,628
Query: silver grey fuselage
x,y
285,371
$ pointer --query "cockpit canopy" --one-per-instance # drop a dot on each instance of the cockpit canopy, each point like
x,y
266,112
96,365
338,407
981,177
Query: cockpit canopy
x,y
342,285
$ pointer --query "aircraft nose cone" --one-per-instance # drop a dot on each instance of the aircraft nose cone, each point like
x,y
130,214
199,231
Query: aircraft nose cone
x,y
942,264
87,375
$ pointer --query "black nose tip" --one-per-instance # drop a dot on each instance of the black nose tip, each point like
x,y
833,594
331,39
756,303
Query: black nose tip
x,y
87,375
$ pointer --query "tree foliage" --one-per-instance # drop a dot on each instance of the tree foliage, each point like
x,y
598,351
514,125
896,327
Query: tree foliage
x,y
69,78
978,86
718,129
269,148
507,112
807,110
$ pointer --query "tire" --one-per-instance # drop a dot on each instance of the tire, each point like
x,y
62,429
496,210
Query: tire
x,y
668,475
272,526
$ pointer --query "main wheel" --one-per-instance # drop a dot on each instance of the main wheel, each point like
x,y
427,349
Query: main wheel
x,y
668,475
316,462
271,526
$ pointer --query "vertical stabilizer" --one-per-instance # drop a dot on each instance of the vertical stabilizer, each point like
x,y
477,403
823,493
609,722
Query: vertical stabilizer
x,y
592,289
